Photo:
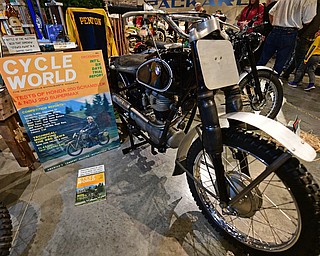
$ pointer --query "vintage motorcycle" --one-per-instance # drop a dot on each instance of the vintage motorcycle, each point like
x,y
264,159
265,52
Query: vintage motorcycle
x,y
5,231
254,191
80,141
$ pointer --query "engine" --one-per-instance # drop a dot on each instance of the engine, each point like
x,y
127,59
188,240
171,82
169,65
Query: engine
x,y
165,80
160,105
160,83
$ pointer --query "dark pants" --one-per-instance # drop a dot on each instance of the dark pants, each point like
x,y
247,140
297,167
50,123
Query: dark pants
x,y
301,49
280,41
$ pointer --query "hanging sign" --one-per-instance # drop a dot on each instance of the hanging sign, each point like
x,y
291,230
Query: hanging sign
x,y
64,102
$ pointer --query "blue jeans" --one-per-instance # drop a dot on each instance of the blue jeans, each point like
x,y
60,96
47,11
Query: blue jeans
x,y
281,42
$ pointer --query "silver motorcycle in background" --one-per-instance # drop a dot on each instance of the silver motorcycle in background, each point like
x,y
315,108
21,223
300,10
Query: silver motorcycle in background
x,y
252,190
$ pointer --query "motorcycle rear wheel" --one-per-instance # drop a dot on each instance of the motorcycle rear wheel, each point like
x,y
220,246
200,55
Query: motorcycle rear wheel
x,y
281,216
74,149
272,90
5,231
104,138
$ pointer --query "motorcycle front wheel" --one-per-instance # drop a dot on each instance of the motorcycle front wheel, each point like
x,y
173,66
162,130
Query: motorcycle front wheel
x,y
74,149
272,90
278,217
160,35
5,231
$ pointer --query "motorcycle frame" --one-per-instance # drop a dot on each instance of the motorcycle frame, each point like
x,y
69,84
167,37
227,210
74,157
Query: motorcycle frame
x,y
206,105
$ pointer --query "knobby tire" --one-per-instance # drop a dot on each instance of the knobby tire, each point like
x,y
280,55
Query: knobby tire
x,y
291,183
5,231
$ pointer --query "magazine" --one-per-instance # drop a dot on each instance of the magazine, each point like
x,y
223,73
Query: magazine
x,y
91,186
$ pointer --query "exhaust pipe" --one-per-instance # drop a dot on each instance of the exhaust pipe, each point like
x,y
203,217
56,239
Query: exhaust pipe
x,y
154,131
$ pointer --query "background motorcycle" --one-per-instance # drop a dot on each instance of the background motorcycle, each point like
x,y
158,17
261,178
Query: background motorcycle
x,y
138,35
5,231
255,193
80,141
261,88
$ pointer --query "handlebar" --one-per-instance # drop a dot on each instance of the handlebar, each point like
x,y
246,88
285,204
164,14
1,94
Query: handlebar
x,y
170,17
250,23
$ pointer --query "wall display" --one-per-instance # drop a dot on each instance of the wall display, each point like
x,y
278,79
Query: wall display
x,y
64,102
13,20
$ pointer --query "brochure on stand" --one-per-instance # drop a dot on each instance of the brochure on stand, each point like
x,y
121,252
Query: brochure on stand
x,y
91,185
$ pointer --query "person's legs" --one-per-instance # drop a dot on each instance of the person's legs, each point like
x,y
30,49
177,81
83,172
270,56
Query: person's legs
x,y
312,65
301,50
269,48
286,42
300,73
290,68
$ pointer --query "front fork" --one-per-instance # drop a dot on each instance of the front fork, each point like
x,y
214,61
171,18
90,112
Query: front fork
x,y
254,71
211,130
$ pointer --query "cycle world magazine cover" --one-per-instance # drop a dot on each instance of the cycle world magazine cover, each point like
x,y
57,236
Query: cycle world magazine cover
x,y
64,102
91,185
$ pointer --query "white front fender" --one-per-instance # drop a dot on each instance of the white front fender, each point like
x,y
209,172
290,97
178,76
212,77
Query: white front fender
x,y
291,141
279,132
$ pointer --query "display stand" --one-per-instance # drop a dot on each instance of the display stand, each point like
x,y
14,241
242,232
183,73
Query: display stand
x,y
25,19
11,131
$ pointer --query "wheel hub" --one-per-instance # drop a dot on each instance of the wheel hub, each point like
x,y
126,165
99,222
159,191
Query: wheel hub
x,y
256,104
251,202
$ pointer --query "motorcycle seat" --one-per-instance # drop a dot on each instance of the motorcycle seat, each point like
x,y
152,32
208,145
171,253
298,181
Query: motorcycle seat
x,y
159,44
129,63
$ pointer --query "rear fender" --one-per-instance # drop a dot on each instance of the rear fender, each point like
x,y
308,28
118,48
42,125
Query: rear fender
x,y
291,141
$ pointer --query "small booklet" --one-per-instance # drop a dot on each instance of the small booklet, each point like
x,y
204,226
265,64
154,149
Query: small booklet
x,y
91,185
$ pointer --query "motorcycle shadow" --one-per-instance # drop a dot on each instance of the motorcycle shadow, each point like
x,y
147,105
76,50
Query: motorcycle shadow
x,y
162,204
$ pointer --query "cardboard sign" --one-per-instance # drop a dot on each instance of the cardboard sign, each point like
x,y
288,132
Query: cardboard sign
x,y
21,44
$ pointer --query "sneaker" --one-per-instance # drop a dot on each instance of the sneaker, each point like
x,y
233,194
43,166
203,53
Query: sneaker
x,y
293,84
309,87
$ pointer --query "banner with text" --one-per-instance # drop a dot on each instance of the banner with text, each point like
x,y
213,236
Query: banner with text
x,y
231,8
64,102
